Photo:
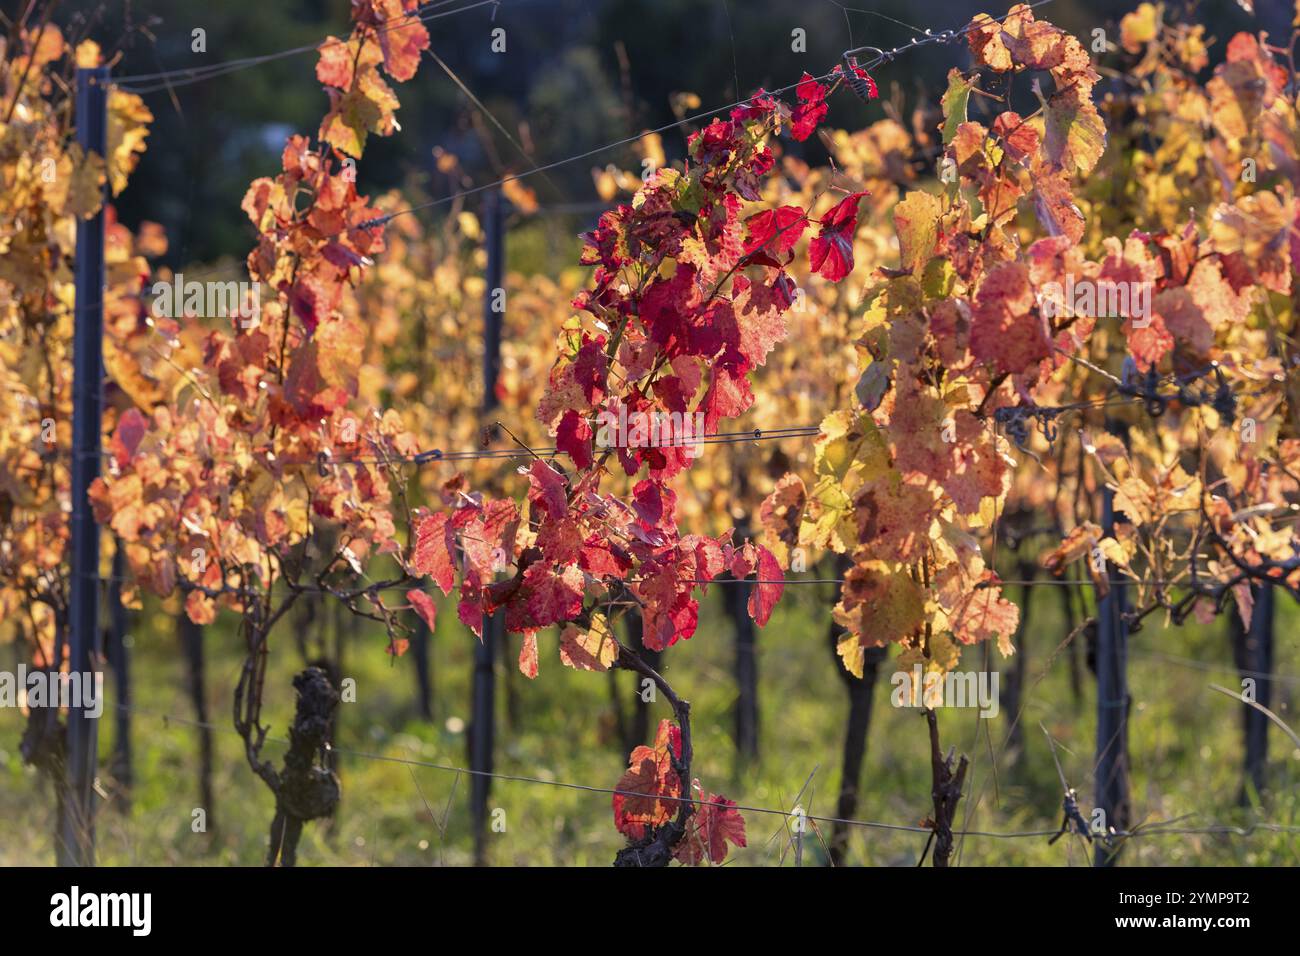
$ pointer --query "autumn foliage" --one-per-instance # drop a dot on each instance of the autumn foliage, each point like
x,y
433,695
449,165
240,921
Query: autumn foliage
x,y
49,183
252,463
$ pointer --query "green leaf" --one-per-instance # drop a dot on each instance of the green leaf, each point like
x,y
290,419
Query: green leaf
x,y
916,219
954,103
1074,133
880,604
872,385
939,278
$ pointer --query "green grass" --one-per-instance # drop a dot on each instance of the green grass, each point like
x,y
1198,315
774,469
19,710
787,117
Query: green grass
x,y
1185,742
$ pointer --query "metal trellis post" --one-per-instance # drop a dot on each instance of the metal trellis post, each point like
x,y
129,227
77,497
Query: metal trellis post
x,y
77,828
119,660
1111,769
483,706
1252,651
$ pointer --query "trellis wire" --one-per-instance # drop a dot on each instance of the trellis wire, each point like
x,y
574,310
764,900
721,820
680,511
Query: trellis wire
x,y
883,56
743,436
437,454
1207,667
185,76
1153,829
198,74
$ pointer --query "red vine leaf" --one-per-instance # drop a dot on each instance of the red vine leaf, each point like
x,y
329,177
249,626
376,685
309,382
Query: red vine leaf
x,y
831,253
715,823
768,589
424,607
649,778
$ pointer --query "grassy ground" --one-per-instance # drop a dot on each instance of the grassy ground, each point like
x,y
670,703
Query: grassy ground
x,y
1185,742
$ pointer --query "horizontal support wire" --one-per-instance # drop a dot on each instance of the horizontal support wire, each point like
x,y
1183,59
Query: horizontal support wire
x,y
185,76
436,454
1157,658
777,433
884,56
1153,829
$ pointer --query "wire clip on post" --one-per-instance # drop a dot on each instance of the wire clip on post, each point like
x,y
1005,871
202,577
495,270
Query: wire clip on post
x,y
1072,819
